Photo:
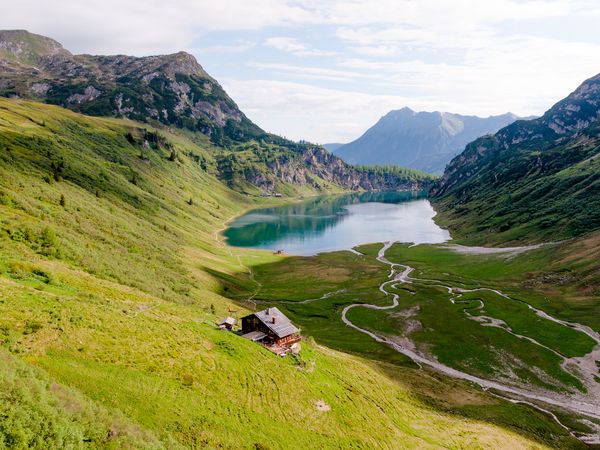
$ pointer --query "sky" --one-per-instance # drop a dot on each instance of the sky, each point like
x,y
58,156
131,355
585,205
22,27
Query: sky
x,y
326,70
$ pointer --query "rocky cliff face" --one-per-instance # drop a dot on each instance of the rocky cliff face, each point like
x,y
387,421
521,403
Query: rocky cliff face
x,y
170,89
316,167
420,140
331,168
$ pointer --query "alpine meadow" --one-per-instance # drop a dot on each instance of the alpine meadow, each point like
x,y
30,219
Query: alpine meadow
x,y
182,266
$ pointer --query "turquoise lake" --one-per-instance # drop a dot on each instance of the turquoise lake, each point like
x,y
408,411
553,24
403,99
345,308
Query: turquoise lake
x,y
338,222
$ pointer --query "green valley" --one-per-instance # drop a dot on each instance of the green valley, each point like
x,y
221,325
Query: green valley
x,y
108,301
479,332
123,178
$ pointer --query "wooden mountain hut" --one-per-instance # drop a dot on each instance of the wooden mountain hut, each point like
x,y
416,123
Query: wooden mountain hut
x,y
270,326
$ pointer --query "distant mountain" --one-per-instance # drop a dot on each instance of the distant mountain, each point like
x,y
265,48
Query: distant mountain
x,y
420,140
536,179
332,147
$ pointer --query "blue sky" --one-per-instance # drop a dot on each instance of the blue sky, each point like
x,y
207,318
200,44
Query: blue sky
x,y
327,70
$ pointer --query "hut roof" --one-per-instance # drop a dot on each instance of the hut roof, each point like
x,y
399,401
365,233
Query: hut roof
x,y
227,321
281,326
255,336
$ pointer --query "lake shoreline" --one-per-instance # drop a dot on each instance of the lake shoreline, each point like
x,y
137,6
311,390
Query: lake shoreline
x,y
337,222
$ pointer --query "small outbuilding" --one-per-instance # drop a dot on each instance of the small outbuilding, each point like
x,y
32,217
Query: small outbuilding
x,y
270,327
227,323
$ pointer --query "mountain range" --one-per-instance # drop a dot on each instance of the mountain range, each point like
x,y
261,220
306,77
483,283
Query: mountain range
x,y
420,140
174,90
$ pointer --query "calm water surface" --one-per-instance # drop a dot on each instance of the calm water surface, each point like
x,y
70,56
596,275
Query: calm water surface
x,y
338,222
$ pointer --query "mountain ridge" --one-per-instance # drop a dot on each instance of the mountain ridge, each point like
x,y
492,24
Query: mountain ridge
x,y
172,89
419,140
532,179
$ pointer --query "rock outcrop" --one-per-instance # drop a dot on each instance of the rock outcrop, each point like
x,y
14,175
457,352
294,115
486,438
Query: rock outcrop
x,y
316,167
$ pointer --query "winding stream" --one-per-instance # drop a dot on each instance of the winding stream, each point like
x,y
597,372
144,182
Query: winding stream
x,y
588,405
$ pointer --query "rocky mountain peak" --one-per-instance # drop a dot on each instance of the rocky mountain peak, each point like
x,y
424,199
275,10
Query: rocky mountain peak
x,y
148,67
172,89
419,140
399,114
23,47
184,63
577,111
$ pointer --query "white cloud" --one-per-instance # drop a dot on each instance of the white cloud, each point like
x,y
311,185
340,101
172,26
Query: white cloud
x,y
285,44
317,73
147,26
383,50
143,26
456,14
461,55
294,46
303,111
238,47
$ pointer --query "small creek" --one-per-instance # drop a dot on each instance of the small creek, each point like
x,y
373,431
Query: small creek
x,y
583,404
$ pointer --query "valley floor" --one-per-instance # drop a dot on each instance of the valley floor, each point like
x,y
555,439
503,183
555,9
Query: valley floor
x,y
477,315
586,403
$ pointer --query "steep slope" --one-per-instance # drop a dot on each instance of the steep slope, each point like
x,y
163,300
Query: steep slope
x,y
271,167
174,90
535,179
421,140
107,246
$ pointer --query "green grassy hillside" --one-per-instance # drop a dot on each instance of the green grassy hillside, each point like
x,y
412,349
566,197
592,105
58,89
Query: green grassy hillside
x,y
108,243
534,193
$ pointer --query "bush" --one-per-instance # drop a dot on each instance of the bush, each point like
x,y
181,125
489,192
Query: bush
x,y
36,413
48,238
5,199
58,169
49,245
23,234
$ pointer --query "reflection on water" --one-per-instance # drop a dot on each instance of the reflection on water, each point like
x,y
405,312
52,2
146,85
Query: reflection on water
x,y
338,222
